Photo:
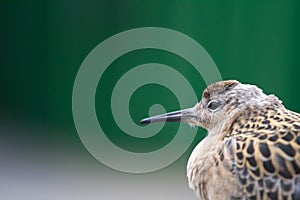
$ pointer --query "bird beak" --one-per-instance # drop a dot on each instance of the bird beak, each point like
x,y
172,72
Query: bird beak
x,y
186,115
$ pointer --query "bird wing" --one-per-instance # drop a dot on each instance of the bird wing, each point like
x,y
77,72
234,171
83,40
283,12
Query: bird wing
x,y
264,151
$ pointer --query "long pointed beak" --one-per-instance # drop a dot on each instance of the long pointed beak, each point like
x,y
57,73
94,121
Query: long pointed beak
x,y
186,115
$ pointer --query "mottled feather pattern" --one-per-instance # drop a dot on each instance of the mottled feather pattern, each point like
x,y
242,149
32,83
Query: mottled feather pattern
x,y
267,153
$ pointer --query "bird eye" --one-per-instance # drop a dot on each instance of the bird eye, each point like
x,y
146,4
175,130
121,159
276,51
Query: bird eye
x,y
213,105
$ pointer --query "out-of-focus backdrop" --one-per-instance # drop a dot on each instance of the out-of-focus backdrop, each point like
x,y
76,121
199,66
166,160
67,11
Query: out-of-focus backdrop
x,y
43,44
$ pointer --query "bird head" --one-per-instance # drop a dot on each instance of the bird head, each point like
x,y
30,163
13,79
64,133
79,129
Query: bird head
x,y
220,102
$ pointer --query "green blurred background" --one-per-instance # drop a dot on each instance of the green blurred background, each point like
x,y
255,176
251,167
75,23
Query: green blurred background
x,y
43,44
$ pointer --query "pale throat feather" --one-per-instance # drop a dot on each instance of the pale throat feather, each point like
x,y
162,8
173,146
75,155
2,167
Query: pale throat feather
x,y
203,153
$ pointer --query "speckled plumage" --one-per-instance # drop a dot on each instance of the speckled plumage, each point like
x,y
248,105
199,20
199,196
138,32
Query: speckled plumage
x,y
252,150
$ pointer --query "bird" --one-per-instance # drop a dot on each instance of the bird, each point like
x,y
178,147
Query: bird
x,y
252,147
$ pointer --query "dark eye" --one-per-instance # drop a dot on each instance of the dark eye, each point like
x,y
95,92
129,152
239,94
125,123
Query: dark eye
x,y
213,105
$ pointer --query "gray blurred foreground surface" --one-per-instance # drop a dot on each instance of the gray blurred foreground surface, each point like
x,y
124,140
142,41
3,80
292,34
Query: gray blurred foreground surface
x,y
34,170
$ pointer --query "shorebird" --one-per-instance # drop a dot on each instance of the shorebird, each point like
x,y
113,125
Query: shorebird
x,y
252,149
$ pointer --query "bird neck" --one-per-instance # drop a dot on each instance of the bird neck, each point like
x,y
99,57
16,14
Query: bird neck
x,y
206,145
199,165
